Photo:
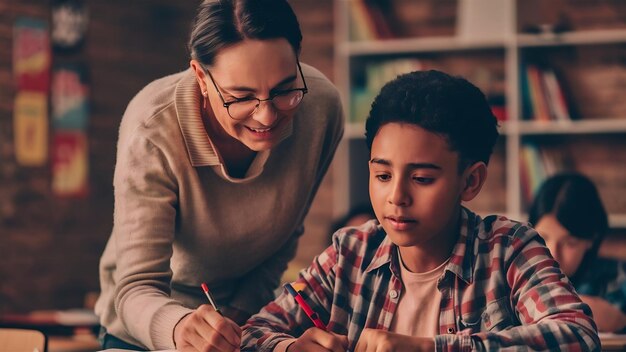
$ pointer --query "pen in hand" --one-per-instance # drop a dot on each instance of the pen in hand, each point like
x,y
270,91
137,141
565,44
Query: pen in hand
x,y
205,288
307,309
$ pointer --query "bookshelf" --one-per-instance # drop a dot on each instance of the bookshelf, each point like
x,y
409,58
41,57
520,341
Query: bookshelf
x,y
590,69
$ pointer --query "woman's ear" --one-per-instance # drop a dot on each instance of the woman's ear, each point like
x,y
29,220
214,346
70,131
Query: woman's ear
x,y
200,75
474,177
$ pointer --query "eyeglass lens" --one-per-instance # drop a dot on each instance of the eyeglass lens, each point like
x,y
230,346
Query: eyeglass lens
x,y
286,101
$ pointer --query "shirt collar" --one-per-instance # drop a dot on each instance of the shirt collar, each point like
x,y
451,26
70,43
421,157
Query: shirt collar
x,y
461,261
384,253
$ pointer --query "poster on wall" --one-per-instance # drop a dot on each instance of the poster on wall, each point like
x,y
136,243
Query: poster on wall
x,y
31,55
70,112
70,103
70,164
69,24
69,99
30,128
31,70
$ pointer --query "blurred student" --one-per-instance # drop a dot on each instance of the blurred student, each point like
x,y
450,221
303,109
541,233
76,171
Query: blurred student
x,y
429,274
569,215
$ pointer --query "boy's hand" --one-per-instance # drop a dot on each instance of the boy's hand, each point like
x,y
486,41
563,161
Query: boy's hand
x,y
206,330
318,340
373,340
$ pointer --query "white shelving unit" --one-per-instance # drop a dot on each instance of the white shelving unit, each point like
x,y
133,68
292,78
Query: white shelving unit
x,y
514,129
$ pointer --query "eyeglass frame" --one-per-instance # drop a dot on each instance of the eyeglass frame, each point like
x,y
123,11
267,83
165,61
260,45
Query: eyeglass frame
x,y
227,104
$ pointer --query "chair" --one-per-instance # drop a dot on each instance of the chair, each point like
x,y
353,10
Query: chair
x,y
22,340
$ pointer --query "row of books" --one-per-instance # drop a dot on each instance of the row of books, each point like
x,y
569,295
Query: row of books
x,y
368,19
537,164
376,75
543,95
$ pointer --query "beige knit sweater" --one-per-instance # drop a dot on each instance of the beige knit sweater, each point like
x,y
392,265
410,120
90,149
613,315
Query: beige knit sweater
x,y
180,220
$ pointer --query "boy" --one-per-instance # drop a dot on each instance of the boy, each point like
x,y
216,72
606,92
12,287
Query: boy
x,y
430,274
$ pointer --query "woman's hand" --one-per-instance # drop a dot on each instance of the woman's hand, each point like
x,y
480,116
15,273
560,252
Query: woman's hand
x,y
373,340
207,330
318,340
607,317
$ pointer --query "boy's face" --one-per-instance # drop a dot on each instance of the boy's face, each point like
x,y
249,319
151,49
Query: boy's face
x,y
415,186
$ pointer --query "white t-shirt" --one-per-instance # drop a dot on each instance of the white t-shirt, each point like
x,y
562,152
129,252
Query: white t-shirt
x,y
418,308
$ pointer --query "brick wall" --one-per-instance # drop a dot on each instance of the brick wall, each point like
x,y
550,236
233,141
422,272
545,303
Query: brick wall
x,y
316,21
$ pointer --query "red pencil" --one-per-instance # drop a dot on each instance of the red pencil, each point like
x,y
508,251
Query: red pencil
x,y
205,288
307,309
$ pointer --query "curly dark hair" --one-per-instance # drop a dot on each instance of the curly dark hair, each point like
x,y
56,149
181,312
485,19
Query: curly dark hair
x,y
439,103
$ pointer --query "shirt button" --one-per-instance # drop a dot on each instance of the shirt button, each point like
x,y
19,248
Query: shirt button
x,y
393,294
450,331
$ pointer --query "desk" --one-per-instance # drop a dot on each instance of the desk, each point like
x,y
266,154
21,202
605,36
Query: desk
x,y
119,350
73,330
613,342
610,342
78,343
53,322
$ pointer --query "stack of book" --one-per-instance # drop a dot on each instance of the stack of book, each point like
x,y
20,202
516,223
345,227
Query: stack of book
x,y
543,95
368,20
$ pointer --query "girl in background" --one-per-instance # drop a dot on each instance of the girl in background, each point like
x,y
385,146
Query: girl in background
x,y
569,215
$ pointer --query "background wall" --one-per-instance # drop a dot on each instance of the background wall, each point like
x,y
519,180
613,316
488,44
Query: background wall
x,y
50,247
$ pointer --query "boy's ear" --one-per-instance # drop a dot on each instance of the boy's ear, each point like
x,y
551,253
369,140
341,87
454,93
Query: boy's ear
x,y
474,177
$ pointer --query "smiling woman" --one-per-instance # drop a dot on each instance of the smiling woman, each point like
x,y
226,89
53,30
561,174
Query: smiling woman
x,y
216,169
239,121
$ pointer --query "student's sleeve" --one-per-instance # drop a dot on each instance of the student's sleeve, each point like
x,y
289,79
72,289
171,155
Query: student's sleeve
x,y
283,319
265,278
144,218
616,289
552,315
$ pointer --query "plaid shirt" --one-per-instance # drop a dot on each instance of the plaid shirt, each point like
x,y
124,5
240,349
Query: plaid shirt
x,y
604,278
500,290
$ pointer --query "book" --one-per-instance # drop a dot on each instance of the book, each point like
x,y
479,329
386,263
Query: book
x,y
559,107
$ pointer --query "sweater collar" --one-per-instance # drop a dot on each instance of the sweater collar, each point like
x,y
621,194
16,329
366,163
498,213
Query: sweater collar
x,y
188,99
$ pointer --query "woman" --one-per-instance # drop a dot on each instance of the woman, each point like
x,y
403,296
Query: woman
x,y
569,215
216,169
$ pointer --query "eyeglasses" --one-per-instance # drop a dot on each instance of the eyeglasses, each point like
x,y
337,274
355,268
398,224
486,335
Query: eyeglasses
x,y
283,100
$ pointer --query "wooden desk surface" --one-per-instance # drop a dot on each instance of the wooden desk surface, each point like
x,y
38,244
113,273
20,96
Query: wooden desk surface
x,y
76,343
67,331
613,342
89,343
